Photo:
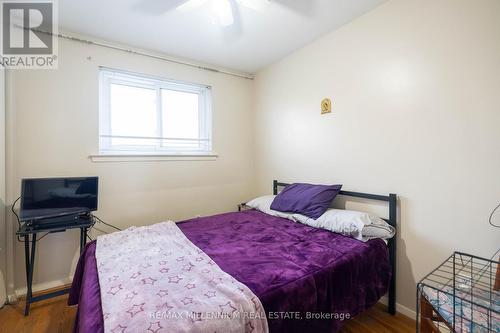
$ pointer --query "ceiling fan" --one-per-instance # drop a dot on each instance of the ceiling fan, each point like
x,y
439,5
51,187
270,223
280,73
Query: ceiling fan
x,y
222,10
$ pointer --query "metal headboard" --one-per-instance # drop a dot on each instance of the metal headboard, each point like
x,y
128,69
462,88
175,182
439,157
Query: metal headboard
x,y
392,199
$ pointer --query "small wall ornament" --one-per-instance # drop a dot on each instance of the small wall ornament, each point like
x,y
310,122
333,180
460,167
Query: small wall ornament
x,y
326,106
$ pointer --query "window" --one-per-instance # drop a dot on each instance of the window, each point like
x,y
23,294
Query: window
x,y
145,115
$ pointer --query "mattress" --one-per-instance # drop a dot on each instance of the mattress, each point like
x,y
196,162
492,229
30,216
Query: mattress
x,y
307,279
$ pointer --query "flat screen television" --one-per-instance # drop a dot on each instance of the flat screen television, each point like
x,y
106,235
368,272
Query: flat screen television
x,y
43,198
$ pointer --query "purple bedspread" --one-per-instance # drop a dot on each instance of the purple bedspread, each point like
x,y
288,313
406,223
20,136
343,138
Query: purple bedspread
x,y
291,268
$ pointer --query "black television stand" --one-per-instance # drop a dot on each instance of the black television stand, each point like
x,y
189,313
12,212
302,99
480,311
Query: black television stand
x,y
52,225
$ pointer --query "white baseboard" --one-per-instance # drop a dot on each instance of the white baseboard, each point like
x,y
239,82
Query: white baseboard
x,y
3,292
400,308
21,292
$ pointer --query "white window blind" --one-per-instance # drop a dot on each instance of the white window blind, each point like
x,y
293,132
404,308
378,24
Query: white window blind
x,y
148,115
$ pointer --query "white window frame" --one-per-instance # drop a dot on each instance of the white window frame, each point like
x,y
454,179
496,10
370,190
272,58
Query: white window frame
x,y
157,146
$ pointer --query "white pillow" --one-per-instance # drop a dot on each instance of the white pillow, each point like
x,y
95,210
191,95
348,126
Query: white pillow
x,y
375,230
359,225
263,204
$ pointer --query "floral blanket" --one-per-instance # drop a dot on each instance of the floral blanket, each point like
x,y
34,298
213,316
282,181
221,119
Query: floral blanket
x,y
153,279
474,313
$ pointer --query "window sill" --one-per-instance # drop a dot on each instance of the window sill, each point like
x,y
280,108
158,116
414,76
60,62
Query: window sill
x,y
130,157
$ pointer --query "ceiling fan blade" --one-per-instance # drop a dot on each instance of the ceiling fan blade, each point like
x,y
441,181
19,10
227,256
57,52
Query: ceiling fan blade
x,y
158,7
223,12
190,5
255,4
301,7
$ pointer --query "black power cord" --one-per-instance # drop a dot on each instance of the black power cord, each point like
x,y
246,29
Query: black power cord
x,y
17,219
490,220
14,211
19,222
93,227
109,225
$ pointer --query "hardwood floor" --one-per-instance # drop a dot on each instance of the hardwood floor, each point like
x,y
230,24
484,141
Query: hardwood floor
x,y
377,320
50,316
54,316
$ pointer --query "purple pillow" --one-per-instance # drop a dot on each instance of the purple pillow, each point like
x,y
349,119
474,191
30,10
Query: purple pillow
x,y
306,199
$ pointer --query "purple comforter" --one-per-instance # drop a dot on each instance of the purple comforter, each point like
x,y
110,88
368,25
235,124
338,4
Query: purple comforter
x,y
291,268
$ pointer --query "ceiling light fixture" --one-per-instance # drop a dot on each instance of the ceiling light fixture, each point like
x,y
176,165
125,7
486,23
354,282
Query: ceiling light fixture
x,y
190,5
222,10
255,4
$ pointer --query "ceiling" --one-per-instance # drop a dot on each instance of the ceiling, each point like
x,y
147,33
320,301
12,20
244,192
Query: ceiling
x,y
255,40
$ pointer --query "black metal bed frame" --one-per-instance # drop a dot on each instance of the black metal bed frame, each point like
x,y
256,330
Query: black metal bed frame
x,y
391,244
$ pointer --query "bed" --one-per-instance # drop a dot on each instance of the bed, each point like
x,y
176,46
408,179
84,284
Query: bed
x,y
306,278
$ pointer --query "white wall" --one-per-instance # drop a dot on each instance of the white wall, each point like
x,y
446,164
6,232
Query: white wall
x,y
54,126
416,111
